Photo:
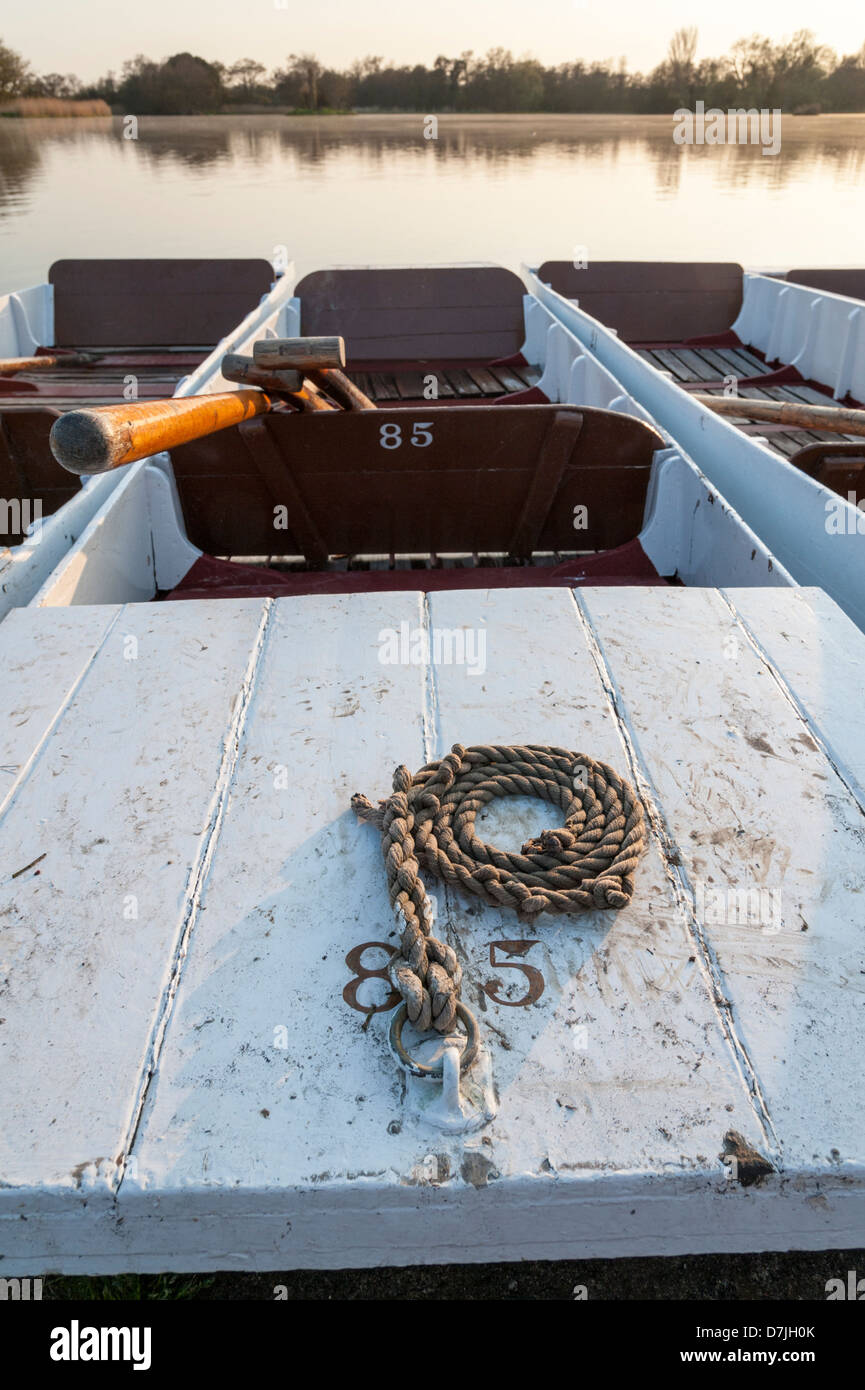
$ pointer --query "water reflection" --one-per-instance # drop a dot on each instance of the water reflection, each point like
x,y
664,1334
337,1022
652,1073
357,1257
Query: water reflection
x,y
620,178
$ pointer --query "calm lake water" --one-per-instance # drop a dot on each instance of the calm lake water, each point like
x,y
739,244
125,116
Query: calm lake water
x,y
372,189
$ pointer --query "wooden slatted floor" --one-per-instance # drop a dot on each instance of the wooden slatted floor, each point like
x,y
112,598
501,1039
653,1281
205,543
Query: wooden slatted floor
x,y
156,374
292,564
453,383
104,383
706,368
704,364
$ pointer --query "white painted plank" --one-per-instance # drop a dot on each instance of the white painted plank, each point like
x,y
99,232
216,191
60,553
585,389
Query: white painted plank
x,y
296,883
39,679
820,654
119,801
755,806
433,1220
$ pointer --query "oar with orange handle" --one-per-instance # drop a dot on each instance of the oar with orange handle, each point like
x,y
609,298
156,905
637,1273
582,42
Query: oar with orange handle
x,y
44,363
109,436
104,437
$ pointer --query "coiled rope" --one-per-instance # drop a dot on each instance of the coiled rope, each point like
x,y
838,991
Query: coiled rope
x,y
429,820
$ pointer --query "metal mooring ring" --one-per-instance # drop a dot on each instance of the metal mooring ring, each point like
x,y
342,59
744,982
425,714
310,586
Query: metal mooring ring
x,y
467,1056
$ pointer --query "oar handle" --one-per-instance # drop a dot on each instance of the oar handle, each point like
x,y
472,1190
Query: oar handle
x,y
44,363
305,390
341,388
304,394
319,359
836,419
300,353
109,436
247,371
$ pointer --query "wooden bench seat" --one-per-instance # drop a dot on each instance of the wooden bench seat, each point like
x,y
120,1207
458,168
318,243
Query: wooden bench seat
x,y
398,481
652,301
416,313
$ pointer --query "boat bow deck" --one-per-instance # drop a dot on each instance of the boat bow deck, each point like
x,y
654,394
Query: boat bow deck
x,y
191,1079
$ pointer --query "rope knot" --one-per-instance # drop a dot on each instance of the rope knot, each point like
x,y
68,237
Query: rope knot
x,y
365,811
550,842
402,779
429,820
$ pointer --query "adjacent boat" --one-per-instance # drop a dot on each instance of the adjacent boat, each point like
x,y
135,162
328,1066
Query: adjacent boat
x,y
667,331
711,328
100,331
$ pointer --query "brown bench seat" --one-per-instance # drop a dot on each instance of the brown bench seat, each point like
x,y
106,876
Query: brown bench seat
x,y
153,319
497,483
653,301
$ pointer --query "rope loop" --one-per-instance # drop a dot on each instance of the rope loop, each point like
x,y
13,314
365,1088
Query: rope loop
x,y
428,821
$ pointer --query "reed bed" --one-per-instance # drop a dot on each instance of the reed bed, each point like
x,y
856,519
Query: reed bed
x,y
54,106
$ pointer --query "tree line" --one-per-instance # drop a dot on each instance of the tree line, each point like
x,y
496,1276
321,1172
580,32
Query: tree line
x,y
795,74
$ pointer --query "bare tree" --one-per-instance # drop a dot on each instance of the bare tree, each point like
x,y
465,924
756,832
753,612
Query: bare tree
x,y
681,53
309,69
682,49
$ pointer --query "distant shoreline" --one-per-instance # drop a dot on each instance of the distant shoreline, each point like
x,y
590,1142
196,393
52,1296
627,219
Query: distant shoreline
x,y
27,108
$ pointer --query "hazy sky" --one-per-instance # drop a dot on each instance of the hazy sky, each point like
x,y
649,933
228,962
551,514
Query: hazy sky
x,y
89,37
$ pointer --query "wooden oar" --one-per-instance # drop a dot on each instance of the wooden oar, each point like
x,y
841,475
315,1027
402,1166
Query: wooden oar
x,y
109,436
247,372
289,385
836,419
341,388
10,365
320,359
300,353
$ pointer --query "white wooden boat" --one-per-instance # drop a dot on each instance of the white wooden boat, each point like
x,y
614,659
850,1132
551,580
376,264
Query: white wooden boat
x,y
196,927
681,326
109,330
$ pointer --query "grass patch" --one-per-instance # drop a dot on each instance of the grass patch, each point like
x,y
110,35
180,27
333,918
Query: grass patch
x,y
54,106
128,1288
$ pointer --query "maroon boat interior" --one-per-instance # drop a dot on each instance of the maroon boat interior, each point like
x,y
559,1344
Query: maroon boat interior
x,y
151,320
678,317
459,327
398,498
850,282
29,471
141,303
155,320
